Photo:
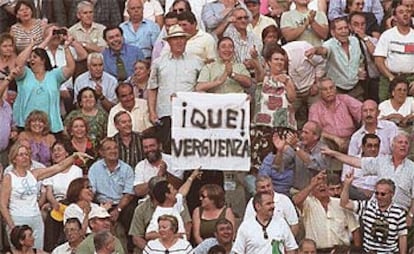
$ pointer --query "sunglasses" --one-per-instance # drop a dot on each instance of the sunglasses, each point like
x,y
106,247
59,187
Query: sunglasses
x,y
242,17
382,194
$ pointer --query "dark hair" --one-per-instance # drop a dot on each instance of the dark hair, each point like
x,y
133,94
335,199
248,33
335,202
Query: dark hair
x,y
387,181
215,193
109,28
187,4
223,221
306,240
369,136
74,220
121,85
224,39
79,96
160,191
144,62
269,29
72,121
270,49
74,189
43,55
28,3
258,198
397,80
217,249
18,234
171,15
357,13
6,36
119,114
332,24
65,144
187,16
150,133
101,238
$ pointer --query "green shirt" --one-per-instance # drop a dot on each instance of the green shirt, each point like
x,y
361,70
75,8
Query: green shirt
x,y
88,247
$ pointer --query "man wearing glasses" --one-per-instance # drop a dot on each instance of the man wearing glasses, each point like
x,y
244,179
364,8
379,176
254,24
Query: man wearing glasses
x,y
264,233
384,222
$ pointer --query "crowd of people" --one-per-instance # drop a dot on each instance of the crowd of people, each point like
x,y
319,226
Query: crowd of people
x,y
85,140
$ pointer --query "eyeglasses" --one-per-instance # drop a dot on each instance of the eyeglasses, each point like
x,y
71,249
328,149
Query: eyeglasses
x,y
179,10
382,194
242,17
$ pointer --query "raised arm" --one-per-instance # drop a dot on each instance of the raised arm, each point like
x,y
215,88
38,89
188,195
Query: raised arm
x,y
69,68
185,188
350,160
345,202
299,198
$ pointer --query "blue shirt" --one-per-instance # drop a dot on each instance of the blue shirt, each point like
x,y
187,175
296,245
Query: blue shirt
x,y
111,186
144,37
42,95
129,54
282,179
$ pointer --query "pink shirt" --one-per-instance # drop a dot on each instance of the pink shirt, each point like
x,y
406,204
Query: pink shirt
x,y
343,120
264,7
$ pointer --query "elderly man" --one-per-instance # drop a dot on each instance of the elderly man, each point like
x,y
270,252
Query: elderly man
x,y
156,163
129,141
385,229
303,24
102,82
99,220
264,232
283,205
171,73
138,31
385,130
223,236
119,57
307,246
74,236
337,9
337,114
135,107
325,221
343,57
396,167
104,242
86,31
394,51
112,182
106,12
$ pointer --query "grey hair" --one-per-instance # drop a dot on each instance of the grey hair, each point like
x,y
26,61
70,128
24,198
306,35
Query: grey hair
x,y
94,55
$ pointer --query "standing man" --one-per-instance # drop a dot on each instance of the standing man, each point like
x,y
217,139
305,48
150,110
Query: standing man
x,y
135,107
259,22
171,73
138,31
394,54
385,229
119,57
86,31
303,24
264,232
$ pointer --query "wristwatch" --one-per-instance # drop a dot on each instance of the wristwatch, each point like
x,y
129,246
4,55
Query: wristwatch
x,y
411,215
297,149
119,209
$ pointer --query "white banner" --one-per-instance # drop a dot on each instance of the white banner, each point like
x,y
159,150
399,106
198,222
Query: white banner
x,y
211,131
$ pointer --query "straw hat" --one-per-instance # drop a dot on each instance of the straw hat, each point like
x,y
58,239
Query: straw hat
x,y
176,31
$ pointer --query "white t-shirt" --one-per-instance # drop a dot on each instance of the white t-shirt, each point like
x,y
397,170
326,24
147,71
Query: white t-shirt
x,y
60,182
175,211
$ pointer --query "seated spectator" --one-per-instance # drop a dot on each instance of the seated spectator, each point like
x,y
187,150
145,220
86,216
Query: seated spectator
x,y
38,86
307,246
74,236
155,163
119,57
100,81
284,207
143,214
211,210
218,249
224,75
152,11
86,31
337,9
328,224
8,57
104,242
223,236
139,32
105,12
56,189
99,221
259,21
170,202
23,241
95,116
136,108
37,132
337,114
28,31
139,80
78,132
384,222
79,197
356,6
129,141
334,185
169,240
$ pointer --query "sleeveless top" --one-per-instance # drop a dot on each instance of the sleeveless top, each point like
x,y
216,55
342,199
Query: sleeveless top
x,y
23,196
208,227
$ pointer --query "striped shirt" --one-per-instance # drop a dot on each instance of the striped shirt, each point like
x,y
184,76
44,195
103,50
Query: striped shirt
x,y
382,229
133,153
23,37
